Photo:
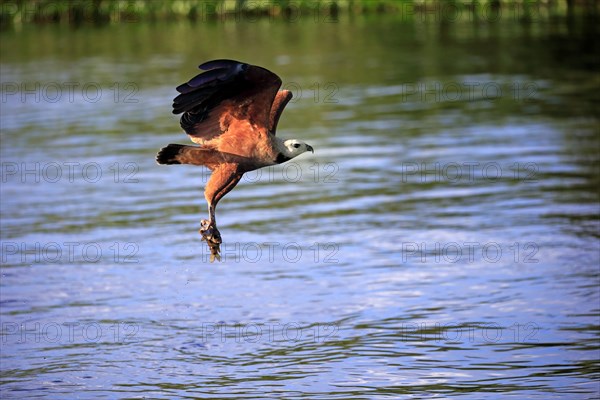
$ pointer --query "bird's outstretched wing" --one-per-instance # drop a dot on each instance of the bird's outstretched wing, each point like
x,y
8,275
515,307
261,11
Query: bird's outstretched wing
x,y
229,92
281,100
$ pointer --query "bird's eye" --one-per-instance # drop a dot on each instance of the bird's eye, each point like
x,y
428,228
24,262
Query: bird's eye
x,y
296,145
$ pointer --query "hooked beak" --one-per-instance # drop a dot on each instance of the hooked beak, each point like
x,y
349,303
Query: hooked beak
x,y
309,147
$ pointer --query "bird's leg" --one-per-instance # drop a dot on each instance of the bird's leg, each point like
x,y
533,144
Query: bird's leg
x,y
222,180
211,234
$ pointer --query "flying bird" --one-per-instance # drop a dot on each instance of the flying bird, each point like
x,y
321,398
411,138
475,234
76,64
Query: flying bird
x,y
231,111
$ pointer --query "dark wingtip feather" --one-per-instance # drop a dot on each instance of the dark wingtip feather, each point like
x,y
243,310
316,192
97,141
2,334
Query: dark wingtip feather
x,y
202,79
190,100
223,63
183,88
167,155
213,74
210,76
199,93
204,85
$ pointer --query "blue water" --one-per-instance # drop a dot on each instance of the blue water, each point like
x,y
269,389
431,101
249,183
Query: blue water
x,y
440,242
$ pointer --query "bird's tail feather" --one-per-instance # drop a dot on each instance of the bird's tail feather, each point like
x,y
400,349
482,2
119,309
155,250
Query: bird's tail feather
x,y
169,154
196,155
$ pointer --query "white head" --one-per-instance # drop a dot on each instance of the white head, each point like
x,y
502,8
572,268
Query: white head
x,y
292,148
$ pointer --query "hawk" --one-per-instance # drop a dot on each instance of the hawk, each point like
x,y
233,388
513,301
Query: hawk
x,y
231,111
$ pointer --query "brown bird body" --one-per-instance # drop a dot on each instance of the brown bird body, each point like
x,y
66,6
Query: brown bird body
x,y
231,111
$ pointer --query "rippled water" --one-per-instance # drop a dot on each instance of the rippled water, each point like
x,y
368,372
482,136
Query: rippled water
x,y
442,241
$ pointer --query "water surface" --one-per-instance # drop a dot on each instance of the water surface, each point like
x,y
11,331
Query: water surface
x,y
442,240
